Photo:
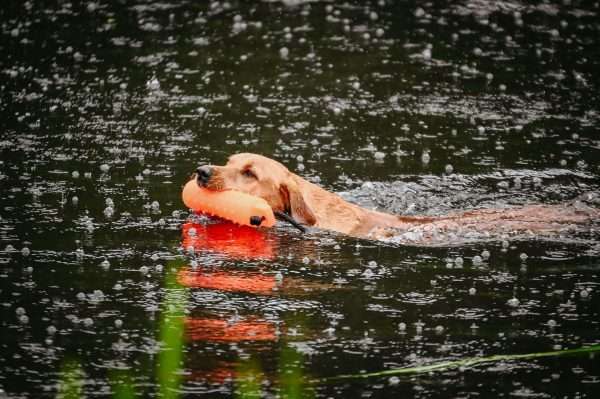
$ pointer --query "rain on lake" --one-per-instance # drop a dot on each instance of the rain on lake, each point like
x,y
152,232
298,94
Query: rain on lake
x,y
111,287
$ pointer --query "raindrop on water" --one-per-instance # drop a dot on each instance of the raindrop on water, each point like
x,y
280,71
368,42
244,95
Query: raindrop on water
x,y
425,157
109,211
513,302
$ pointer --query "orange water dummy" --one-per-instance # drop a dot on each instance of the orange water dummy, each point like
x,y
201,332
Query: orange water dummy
x,y
240,208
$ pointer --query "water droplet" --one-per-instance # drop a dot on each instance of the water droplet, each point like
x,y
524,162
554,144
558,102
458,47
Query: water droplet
x,y
449,169
153,84
75,174
485,254
477,260
51,330
523,256
25,251
513,302
426,54
105,264
284,52
118,323
425,158
402,326
379,155
551,323
104,167
81,296
144,269
472,291
109,211
20,311
88,322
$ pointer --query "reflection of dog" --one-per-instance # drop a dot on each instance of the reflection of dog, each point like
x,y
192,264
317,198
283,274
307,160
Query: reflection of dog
x,y
314,206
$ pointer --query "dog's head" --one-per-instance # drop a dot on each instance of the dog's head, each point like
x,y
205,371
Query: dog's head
x,y
262,177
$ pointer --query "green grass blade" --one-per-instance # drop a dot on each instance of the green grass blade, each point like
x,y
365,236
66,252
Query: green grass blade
x,y
469,362
122,385
291,375
171,335
70,385
249,377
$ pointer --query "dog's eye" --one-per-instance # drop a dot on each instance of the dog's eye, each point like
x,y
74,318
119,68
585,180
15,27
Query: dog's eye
x,y
249,173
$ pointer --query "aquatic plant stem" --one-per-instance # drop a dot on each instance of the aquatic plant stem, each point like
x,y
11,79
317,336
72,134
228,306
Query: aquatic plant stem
x,y
171,335
469,362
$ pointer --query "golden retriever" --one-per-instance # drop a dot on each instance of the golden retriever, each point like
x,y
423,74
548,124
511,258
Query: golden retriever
x,y
311,205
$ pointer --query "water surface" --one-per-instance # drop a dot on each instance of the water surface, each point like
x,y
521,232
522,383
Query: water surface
x,y
108,107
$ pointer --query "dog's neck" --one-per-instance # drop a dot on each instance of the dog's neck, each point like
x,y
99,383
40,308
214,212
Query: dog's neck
x,y
334,213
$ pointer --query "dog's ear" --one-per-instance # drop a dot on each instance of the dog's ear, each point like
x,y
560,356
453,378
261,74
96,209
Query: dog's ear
x,y
294,203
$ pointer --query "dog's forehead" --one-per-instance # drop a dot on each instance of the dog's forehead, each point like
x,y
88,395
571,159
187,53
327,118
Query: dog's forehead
x,y
244,159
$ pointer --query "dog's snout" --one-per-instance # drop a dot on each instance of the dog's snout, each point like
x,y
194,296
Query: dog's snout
x,y
203,174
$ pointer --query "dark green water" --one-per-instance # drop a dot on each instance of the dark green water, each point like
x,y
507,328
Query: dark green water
x,y
114,104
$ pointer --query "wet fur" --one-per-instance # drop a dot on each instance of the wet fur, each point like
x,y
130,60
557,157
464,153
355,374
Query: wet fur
x,y
314,206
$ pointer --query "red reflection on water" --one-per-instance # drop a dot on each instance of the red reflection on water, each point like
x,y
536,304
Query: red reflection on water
x,y
217,330
222,373
228,238
254,283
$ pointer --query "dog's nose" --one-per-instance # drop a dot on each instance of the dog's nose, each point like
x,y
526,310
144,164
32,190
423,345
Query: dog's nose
x,y
203,174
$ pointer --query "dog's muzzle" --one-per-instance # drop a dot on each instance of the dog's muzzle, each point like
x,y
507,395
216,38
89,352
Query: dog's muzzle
x,y
203,174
